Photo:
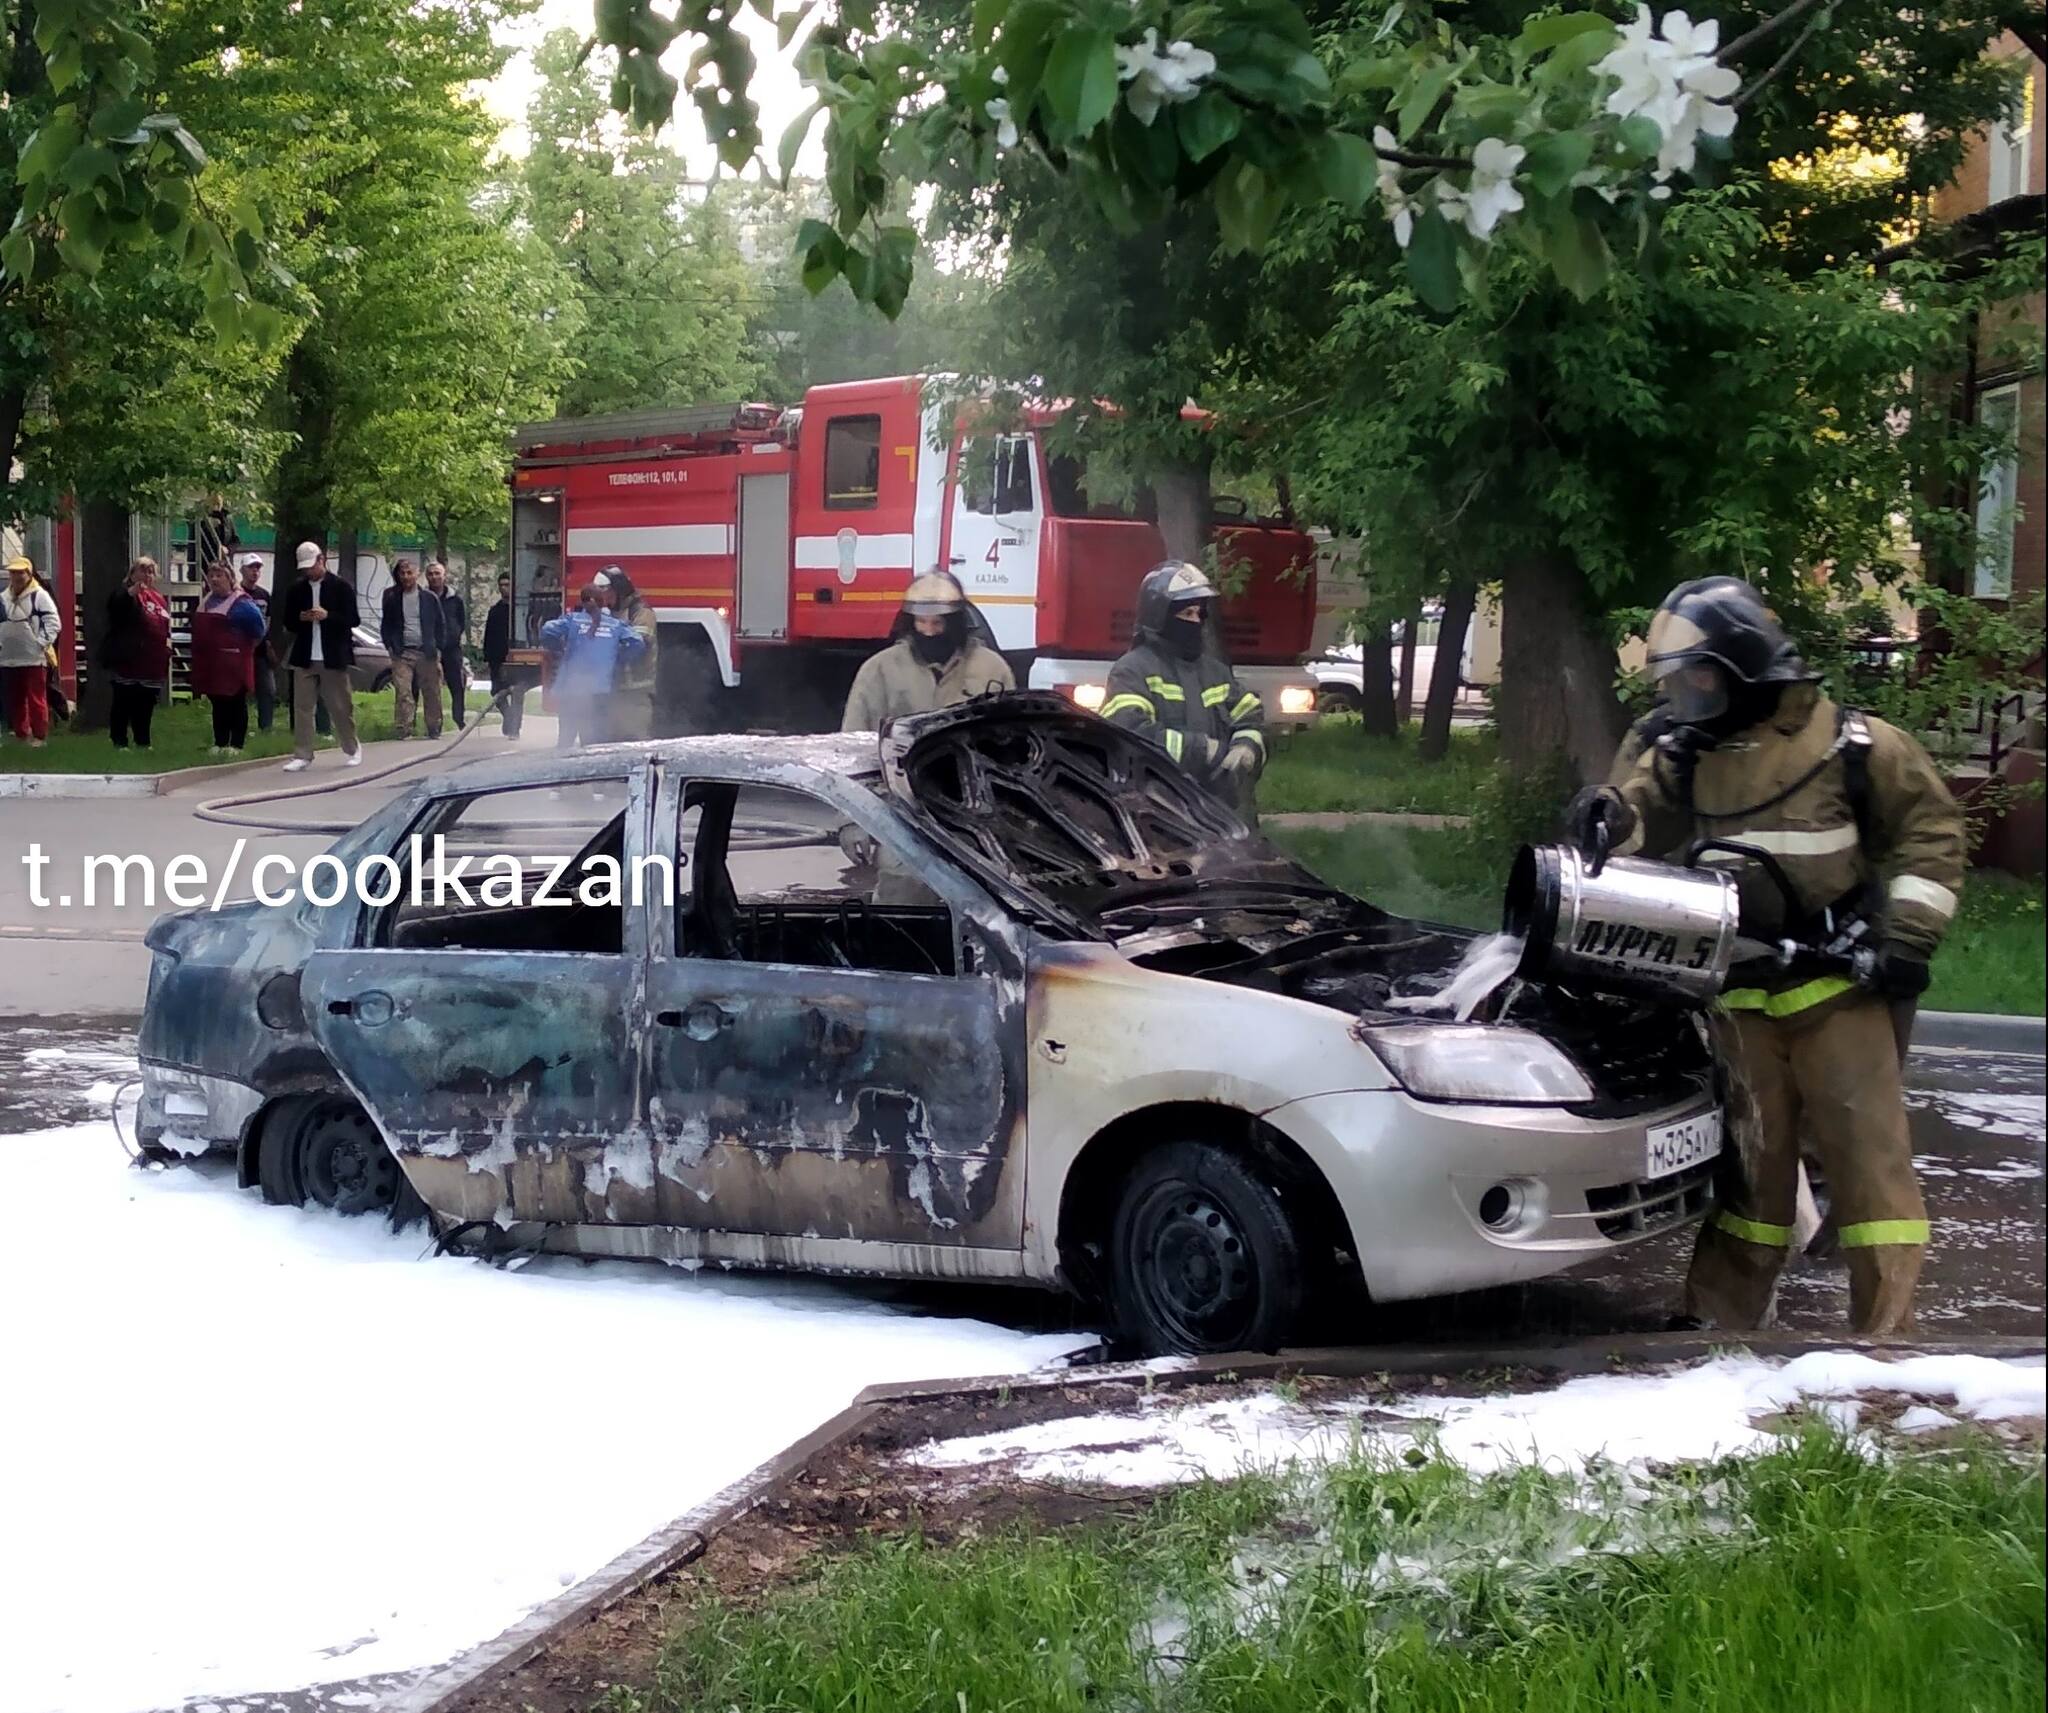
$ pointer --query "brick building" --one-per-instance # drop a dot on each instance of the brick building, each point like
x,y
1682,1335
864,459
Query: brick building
x,y
2000,190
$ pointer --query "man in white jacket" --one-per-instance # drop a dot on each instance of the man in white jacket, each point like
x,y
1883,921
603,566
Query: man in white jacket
x,y
29,626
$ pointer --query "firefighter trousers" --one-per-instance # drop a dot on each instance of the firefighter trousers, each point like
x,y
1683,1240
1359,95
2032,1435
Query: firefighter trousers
x,y
1833,1073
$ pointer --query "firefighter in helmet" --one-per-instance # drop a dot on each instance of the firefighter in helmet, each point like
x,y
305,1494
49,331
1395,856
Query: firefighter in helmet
x,y
1175,686
933,660
1870,848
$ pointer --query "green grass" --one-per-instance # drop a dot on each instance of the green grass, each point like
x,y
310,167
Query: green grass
x,y
1333,765
180,736
1812,1577
1993,959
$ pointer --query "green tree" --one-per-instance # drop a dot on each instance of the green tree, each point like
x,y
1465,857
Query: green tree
x,y
653,265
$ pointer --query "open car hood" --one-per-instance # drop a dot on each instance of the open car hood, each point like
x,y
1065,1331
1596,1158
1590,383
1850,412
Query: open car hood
x,y
1071,819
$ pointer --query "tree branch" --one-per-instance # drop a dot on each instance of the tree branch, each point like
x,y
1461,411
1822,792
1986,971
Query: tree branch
x,y
1757,86
1764,31
1433,163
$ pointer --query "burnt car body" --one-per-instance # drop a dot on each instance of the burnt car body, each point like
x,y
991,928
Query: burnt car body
x,y
1116,1042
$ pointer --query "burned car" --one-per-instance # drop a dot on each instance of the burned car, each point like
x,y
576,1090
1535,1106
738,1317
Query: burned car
x,y
1112,1040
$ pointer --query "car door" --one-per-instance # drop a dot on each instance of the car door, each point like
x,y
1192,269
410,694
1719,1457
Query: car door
x,y
796,1091
496,1043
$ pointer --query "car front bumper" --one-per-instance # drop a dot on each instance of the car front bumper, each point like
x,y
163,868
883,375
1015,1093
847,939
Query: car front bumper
x,y
188,1112
1413,1177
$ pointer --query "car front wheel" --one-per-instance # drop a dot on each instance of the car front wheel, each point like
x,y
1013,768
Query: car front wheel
x,y
1339,699
1204,1256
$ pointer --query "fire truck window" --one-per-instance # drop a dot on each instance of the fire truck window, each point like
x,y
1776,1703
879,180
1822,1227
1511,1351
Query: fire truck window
x,y
853,462
995,475
1077,491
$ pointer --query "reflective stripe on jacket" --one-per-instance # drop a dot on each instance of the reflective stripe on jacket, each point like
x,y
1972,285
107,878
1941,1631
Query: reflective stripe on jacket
x,y
1913,868
1193,709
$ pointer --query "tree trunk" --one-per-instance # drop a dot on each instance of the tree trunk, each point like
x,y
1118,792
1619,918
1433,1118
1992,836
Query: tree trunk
x,y
1447,675
1182,490
1404,696
102,568
1376,656
441,536
1557,700
345,559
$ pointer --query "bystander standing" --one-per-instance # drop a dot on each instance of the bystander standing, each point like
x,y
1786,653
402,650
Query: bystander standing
x,y
588,648
266,653
454,639
320,613
227,632
29,627
136,654
499,629
411,630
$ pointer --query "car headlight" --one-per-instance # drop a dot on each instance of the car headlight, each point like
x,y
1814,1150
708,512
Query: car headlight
x,y
1478,1061
1297,699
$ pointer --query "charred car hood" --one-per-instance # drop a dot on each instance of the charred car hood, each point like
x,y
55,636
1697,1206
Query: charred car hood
x,y
1096,834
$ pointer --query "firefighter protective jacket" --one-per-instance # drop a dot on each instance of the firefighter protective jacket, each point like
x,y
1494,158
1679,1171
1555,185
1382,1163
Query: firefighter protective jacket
x,y
1194,709
1785,787
895,682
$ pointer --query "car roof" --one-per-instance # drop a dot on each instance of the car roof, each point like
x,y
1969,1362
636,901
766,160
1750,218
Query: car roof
x,y
742,756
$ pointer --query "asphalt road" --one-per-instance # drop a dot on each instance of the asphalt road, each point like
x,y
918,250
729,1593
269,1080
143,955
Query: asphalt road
x,y
1979,1137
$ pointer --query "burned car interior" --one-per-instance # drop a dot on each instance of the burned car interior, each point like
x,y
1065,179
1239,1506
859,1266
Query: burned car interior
x,y
797,897
536,828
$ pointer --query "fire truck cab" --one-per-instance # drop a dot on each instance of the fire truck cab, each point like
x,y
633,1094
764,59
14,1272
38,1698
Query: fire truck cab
x,y
774,545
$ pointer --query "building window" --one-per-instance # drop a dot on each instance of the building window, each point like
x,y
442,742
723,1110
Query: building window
x,y
853,462
1998,412
2012,149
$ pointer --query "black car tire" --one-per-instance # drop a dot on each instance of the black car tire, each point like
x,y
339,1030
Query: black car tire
x,y
1339,699
277,1155
381,682
1203,1255
342,1162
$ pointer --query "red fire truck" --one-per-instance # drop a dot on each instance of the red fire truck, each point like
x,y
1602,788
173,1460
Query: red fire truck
x,y
774,545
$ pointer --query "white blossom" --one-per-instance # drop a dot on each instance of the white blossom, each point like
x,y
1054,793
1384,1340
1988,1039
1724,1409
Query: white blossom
x,y
1006,127
1161,77
1668,76
1400,203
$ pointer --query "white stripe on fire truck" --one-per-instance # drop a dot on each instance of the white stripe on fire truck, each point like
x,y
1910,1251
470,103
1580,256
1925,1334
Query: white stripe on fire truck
x,y
702,540
870,552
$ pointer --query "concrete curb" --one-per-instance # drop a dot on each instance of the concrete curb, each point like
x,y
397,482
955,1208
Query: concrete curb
x,y
685,1539
1982,1032
84,787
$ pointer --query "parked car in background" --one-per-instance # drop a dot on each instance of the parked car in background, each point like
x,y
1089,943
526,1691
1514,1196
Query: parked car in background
x,y
372,668
1002,995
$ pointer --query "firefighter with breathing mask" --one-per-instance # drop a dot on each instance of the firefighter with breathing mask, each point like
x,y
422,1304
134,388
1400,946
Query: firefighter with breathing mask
x,y
1853,815
933,660
1175,686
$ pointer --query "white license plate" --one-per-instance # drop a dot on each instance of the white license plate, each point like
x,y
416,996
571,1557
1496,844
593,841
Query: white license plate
x,y
1673,1147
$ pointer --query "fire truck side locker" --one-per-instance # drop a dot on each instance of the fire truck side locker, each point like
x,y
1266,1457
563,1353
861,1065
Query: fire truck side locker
x,y
764,556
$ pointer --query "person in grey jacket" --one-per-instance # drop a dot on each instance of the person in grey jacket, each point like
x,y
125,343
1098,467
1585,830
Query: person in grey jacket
x,y
411,630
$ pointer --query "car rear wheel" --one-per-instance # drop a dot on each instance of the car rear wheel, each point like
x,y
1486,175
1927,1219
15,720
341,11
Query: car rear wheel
x,y
343,1162
326,1151
1204,1256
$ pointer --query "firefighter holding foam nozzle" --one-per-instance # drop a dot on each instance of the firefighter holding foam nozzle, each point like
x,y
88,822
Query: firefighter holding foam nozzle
x,y
1853,853
1175,687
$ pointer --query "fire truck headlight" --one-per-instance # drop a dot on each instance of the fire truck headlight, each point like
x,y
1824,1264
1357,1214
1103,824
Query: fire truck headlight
x,y
1297,699
1089,696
